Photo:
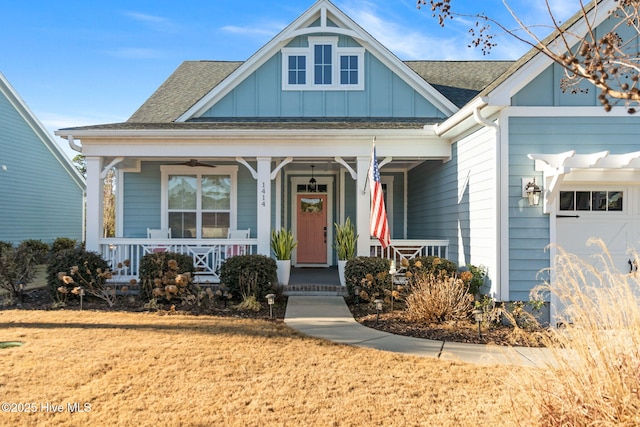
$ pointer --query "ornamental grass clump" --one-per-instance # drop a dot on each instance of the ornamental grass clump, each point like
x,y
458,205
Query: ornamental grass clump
x,y
436,297
593,376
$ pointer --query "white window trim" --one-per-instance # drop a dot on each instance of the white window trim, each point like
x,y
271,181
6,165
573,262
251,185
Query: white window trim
x,y
336,53
167,170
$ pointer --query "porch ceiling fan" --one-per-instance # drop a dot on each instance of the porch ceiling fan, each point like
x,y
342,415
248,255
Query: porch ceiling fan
x,y
195,163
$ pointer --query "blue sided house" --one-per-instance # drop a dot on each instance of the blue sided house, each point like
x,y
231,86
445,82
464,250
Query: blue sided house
x,y
41,191
224,152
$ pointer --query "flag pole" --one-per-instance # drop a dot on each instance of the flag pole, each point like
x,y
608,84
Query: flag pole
x,y
366,181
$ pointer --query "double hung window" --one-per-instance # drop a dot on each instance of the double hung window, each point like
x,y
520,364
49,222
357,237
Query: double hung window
x,y
198,203
323,65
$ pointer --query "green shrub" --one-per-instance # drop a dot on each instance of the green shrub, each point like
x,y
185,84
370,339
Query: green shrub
x,y
39,248
63,244
17,268
371,274
162,269
477,281
5,245
234,269
71,268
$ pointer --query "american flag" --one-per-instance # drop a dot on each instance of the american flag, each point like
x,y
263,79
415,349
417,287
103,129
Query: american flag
x,y
379,222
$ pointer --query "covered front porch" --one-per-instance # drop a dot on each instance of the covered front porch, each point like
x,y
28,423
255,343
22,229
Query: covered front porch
x,y
203,184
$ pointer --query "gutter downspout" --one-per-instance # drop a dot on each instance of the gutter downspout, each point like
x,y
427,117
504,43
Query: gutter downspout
x,y
73,145
483,121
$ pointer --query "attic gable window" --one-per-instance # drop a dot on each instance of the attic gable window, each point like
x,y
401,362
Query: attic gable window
x,y
323,65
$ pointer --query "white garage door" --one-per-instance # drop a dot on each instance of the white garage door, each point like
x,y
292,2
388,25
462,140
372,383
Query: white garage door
x,y
608,213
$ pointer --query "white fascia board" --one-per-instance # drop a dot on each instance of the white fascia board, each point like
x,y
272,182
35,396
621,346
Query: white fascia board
x,y
567,111
463,122
399,144
465,113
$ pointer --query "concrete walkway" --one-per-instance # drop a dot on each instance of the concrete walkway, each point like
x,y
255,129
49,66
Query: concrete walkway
x,y
329,317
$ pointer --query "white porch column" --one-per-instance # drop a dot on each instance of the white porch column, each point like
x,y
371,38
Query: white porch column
x,y
264,205
94,209
363,207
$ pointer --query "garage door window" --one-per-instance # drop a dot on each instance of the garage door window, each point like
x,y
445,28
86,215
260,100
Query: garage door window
x,y
596,201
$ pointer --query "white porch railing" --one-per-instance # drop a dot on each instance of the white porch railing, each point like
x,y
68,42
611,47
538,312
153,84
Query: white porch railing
x,y
124,254
410,248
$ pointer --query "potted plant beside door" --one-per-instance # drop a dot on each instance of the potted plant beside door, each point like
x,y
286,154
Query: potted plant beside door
x,y
345,245
282,245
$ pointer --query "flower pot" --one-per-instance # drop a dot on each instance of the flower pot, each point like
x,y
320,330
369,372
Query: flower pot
x,y
283,271
341,265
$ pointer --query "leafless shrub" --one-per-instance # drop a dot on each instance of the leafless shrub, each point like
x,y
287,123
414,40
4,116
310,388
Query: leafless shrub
x,y
438,297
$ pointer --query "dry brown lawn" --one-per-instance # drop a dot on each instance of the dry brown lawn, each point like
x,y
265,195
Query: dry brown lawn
x,y
147,369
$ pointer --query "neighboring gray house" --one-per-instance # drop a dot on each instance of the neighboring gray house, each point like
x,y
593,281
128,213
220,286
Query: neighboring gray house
x,y
457,143
41,192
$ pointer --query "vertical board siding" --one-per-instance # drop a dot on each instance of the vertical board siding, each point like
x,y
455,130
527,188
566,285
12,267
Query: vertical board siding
x,y
385,95
529,226
39,199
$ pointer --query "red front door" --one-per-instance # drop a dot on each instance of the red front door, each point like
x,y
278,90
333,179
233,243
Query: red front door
x,y
312,229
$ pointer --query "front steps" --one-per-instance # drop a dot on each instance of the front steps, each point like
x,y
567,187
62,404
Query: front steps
x,y
315,290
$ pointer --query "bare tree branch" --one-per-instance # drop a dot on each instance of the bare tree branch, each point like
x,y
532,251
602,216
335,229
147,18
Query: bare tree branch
x,y
606,55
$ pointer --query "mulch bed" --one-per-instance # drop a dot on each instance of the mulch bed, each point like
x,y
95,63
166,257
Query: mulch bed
x,y
40,299
395,322
464,331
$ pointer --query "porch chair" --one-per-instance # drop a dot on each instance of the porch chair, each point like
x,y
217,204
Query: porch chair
x,y
233,250
153,233
205,262
158,233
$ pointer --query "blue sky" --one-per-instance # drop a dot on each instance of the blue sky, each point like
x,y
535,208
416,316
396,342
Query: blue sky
x,y
78,63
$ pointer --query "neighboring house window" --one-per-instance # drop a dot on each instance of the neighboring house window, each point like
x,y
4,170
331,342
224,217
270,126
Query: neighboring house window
x,y
595,201
198,203
323,65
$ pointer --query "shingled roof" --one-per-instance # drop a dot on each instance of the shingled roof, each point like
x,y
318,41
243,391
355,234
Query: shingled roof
x,y
459,81
189,82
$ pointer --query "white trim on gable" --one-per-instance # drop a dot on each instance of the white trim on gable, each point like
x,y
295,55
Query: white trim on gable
x,y
323,10
539,62
500,97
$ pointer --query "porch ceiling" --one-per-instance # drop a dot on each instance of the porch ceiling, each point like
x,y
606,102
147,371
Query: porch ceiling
x,y
322,165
